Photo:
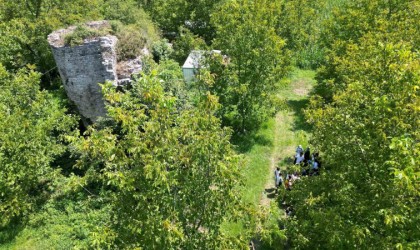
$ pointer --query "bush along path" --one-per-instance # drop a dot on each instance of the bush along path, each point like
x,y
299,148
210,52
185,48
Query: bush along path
x,y
290,130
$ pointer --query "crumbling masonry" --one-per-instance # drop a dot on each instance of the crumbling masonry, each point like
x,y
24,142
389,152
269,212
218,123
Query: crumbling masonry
x,y
83,67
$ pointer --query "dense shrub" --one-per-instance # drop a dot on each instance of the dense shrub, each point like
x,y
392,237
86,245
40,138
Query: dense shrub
x,y
132,38
161,50
130,43
81,33
30,122
172,172
131,25
186,42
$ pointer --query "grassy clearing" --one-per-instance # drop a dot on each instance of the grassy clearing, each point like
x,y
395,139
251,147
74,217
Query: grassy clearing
x,y
257,160
291,123
257,149
274,144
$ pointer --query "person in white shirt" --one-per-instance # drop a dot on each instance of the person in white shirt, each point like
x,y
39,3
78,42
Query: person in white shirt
x,y
299,150
315,165
295,176
315,168
276,177
299,159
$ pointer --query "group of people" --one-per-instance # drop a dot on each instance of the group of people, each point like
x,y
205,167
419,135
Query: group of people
x,y
310,165
287,182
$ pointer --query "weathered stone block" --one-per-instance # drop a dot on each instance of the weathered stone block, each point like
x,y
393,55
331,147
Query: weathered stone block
x,y
83,67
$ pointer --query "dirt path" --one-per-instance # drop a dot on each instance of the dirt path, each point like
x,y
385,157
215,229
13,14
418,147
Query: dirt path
x,y
281,152
289,131
269,188
287,134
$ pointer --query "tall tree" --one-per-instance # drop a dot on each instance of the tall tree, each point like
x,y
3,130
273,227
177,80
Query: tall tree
x,y
395,20
24,26
366,126
246,34
367,196
171,172
193,14
32,122
300,25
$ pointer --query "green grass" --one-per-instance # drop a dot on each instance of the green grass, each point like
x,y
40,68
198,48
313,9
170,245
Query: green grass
x,y
257,160
292,130
278,138
301,77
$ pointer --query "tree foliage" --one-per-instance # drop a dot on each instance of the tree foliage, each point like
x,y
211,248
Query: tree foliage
x,y
391,20
368,194
171,172
185,43
172,14
300,25
32,125
246,34
24,26
159,172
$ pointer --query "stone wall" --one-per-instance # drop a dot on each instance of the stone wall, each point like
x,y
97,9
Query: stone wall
x,y
83,67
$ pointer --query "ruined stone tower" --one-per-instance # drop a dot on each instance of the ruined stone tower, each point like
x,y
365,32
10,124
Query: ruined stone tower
x,y
83,67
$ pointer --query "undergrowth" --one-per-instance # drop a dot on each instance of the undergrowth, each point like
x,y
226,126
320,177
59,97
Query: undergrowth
x,y
132,38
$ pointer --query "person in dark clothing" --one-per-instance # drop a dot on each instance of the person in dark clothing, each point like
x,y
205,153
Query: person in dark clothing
x,y
289,211
305,172
307,155
315,156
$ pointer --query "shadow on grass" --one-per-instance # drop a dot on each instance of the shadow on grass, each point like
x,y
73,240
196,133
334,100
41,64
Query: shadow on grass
x,y
299,122
9,232
271,195
244,143
286,161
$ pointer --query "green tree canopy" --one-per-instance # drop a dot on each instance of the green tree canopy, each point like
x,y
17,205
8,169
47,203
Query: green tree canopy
x,y
32,123
24,26
171,172
193,14
367,196
391,20
300,25
246,34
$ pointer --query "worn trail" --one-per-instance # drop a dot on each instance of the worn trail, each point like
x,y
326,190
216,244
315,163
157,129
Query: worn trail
x,y
280,156
287,134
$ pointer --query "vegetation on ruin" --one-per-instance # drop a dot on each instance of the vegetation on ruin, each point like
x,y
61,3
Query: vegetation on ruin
x,y
82,33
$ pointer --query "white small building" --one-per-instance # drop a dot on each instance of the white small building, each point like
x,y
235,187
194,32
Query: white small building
x,y
193,63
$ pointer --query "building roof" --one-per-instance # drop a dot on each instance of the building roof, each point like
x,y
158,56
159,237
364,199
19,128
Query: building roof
x,y
194,58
